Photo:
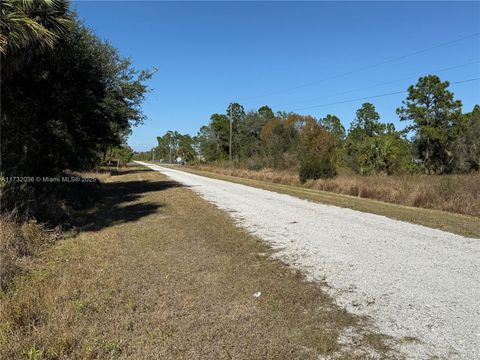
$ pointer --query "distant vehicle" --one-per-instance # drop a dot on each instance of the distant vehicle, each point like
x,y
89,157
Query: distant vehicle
x,y
177,161
180,161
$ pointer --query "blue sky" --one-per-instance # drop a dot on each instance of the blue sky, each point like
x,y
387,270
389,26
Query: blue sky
x,y
264,53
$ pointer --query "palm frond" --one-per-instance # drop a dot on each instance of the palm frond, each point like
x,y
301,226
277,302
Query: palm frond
x,y
33,24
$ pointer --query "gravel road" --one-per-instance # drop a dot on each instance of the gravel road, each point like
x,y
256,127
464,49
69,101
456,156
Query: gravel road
x,y
411,280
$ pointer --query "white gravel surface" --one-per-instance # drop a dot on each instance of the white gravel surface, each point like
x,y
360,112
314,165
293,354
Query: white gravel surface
x,y
412,280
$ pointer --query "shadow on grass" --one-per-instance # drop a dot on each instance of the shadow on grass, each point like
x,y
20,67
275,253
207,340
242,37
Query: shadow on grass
x,y
119,204
84,204
131,171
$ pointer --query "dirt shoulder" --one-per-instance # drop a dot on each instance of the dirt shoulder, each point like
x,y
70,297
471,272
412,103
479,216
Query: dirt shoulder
x,y
161,273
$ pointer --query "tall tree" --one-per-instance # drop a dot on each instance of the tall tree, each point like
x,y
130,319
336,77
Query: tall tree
x,y
249,131
466,147
280,142
435,116
207,143
367,119
236,114
186,148
220,124
266,112
163,150
334,126
67,97
69,106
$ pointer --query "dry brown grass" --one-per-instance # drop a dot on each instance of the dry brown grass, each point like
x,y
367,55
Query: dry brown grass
x,y
58,205
19,242
454,193
165,275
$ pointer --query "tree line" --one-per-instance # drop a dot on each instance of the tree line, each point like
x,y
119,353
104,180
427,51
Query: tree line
x,y
69,99
438,139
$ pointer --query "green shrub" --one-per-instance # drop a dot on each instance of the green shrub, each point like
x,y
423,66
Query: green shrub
x,y
314,167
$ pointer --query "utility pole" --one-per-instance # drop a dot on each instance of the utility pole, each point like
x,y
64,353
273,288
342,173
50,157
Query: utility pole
x,y
231,121
153,155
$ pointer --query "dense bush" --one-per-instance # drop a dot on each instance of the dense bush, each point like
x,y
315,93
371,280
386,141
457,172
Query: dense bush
x,y
314,167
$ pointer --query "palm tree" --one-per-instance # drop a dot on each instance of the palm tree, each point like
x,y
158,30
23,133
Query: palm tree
x,y
29,27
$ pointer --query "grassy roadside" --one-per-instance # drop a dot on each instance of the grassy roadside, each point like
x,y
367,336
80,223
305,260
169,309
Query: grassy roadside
x,y
455,223
157,272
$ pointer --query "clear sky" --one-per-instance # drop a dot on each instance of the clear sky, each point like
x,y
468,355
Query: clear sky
x,y
288,55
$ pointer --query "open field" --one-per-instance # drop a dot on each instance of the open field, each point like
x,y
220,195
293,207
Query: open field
x,y
157,272
453,193
410,279
448,221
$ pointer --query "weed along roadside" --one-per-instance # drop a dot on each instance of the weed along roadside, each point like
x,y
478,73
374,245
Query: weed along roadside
x,y
165,274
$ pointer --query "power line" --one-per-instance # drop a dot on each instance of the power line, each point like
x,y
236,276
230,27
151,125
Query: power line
x,y
363,68
375,96
377,85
